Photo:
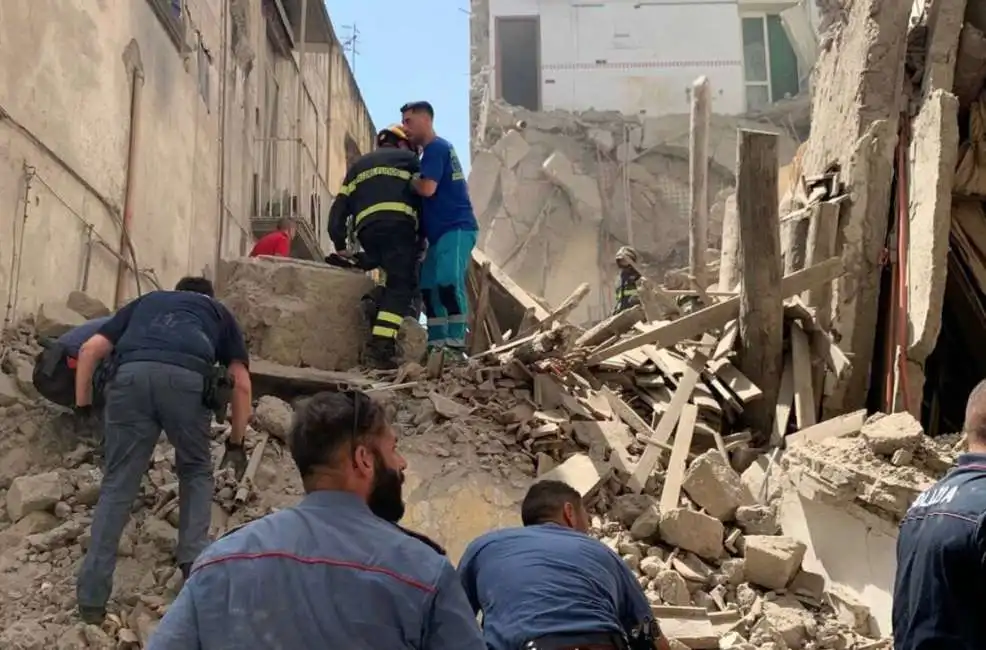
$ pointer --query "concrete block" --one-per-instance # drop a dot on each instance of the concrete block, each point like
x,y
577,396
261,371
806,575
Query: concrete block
x,y
693,531
627,508
888,433
672,588
944,26
33,493
970,65
715,486
772,561
298,313
790,619
10,394
582,191
54,319
933,159
757,520
511,148
273,416
646,527
581,472
84,304
484,176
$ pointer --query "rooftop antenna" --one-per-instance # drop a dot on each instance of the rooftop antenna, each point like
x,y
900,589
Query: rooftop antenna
x,y
349,45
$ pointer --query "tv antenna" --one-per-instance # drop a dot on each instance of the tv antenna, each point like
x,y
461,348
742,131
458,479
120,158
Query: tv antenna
x,y
349,45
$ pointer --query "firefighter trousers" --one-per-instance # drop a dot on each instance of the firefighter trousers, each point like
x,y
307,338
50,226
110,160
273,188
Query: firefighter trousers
x,y
391,243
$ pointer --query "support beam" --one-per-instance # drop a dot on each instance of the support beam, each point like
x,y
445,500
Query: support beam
x,y
698,182
823,228
729,253
761,317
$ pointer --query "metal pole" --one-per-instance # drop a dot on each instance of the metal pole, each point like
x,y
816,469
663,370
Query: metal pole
x,y
698,215
221,226
302,51
137,86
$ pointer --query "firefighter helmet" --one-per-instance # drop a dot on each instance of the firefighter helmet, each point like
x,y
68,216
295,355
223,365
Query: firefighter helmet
x,y
626,253
392,136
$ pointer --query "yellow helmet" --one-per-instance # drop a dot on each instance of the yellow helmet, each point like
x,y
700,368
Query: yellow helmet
x,y
392,135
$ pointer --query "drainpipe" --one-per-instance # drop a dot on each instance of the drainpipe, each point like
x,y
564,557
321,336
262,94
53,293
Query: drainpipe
x,y
328,114
303,201
136,91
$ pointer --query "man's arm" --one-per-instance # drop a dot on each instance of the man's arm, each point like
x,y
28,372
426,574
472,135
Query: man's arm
x,y
179,629
433,163
452,623
97,348
233,354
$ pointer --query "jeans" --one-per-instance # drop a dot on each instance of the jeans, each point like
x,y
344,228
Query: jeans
x,y
142,399
443,287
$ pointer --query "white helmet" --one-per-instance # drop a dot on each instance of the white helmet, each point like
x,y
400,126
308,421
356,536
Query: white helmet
x,y
626,253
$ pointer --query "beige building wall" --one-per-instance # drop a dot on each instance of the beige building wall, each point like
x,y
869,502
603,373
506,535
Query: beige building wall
x,y
66,79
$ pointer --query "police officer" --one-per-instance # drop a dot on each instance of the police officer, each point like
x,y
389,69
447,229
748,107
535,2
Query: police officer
x,y
376,203
626,287
331,572
54,366
940,585
165,345
549,586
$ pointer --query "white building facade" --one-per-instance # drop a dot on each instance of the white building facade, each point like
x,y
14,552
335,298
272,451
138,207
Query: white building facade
x,y
640,58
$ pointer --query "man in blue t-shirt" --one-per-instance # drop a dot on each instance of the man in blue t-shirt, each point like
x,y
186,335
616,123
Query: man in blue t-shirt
x,y
450,226
165,347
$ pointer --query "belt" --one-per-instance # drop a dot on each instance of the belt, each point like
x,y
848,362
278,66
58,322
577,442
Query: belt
x,y
179,359
582,641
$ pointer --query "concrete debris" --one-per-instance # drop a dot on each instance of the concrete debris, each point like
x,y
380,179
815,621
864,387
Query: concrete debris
x,y
772,561
86,306
542,192
712,484
273,415
54,319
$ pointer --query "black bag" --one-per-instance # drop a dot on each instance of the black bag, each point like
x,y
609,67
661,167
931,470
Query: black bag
x,y
52,377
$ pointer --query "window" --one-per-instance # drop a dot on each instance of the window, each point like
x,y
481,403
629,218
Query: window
x,y
770,66
518,61
171,13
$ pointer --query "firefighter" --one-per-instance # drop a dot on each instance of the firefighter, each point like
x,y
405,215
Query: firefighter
x,y
378,206
626,289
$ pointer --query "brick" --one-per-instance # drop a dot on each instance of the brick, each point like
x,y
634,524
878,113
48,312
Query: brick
x,y
693,531
772,562
33,493
715,486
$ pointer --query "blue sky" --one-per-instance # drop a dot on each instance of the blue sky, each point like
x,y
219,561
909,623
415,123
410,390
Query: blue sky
x,y
409,51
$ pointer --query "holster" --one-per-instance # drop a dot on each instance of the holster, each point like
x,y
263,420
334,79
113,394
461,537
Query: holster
x,y
218,392
644,637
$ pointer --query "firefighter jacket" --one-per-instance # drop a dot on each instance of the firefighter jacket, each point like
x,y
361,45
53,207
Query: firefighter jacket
x,y
626,290
377,186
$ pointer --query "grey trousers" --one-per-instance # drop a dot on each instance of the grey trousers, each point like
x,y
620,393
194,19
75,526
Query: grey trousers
x,y
144,398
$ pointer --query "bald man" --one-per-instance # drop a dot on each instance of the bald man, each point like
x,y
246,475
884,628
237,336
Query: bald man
x,y
941,552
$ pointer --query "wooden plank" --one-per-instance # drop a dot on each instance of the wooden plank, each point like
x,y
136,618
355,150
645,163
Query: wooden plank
x,y
565,308
698,183
761,306
717,315
480,340
626,413
735,380
673,480
727,343
613,326
612,434
804,396
833,356
837,427
509,286
652,453
785,401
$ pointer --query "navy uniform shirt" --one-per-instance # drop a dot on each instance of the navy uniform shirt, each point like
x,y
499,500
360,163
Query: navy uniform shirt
x,y
542,580
327,573
73,339
179,325
940,588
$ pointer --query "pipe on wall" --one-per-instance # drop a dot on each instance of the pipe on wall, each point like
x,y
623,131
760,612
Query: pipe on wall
x,y
136,93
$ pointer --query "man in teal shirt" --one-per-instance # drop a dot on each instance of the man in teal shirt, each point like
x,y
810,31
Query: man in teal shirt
x,y
450,226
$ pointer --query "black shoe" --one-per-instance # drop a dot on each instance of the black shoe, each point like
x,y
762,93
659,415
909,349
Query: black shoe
x,y
92,615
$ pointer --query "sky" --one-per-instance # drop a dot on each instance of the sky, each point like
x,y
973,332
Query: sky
x,y
408,51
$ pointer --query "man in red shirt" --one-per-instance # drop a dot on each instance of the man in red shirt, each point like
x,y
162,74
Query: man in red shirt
x,y
277,243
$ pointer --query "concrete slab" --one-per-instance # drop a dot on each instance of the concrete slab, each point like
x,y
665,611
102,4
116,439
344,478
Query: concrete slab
x,y
484,175
583,191
297,313
933,155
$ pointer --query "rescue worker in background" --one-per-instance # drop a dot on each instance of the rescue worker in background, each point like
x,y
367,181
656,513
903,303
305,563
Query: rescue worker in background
x,y
331,572
550,586
277,243
54,367
165,345
377,204
626,288
450,226
941,576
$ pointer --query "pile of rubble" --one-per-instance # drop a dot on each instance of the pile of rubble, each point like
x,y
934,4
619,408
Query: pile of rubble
x,y
564,191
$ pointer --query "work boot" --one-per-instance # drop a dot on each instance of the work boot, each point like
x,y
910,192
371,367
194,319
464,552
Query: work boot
x,y
92,615
381,354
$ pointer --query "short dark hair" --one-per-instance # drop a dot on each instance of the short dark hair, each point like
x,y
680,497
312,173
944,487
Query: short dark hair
x,y
975,413
284,223
196,284
330,421
419,107
545,501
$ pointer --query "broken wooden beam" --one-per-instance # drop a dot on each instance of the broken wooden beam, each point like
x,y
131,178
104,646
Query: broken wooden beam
x,y
717,315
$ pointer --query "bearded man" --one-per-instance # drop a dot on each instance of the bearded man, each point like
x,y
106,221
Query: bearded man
x,y
334,571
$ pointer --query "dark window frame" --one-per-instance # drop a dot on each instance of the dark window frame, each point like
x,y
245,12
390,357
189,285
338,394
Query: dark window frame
x,y
175,25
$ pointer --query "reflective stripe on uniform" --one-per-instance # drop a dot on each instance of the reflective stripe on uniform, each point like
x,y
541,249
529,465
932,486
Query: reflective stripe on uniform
x,y
387,325
348,188
390,317
387,206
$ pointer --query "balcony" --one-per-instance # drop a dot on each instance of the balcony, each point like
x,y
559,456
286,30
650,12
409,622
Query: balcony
x,y
288,185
